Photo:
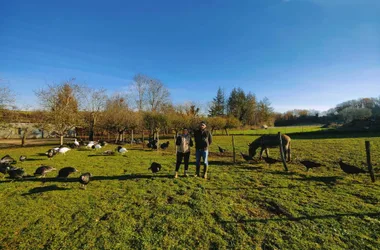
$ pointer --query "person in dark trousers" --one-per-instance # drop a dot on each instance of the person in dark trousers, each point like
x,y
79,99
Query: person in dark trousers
x,y
183,142
203,140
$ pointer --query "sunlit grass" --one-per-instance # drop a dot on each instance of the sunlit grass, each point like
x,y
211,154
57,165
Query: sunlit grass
x,y
241,206
272,130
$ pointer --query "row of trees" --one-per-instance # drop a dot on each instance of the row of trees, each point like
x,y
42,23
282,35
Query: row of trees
x,y
345,112
145,107
244,107
362,108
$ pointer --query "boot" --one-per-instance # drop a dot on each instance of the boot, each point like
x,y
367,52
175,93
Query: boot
x,y
205,171
176,175
198,170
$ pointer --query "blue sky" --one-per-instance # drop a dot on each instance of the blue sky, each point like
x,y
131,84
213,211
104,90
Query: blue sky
x,y
308,54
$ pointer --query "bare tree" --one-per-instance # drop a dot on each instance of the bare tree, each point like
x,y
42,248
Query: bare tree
x,y
62,103
139,88
94,104
7,97
157,95
149,94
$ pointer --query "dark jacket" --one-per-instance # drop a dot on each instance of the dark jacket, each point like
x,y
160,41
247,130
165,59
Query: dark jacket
x,y
203,139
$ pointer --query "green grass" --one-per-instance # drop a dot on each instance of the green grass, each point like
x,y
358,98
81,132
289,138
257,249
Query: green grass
x,y
241,206
273,130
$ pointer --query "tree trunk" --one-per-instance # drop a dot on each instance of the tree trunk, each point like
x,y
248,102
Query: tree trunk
x,y
23,139
131,136
61,140
42,133
158,140
143,141
91,135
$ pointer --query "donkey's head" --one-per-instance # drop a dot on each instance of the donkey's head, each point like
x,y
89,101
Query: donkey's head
x,y
252,149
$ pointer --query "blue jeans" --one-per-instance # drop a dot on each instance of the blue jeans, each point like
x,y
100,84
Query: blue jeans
x,y
198,154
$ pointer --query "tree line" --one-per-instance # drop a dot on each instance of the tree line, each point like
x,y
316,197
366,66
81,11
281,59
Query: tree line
x,y
241,106
147,106
68,105
342,113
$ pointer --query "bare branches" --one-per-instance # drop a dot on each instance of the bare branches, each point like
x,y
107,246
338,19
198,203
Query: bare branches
x,y
158,94
62,103
149,94
140,88
7,97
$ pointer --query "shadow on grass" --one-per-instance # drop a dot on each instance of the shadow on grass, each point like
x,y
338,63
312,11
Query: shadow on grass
x,y
84,149
256,188
220,163
140,149
316,217
283,173
94,178
247,168
45,189
100,155
35,159
220,155
328,180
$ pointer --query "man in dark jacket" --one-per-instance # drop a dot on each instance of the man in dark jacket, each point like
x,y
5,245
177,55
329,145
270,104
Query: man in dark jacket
x,y
203,140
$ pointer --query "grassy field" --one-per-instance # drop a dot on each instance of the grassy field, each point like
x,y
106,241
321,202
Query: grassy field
x,y
240,206
274,130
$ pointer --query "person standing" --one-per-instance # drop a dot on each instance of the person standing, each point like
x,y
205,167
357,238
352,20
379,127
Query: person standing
x,y
203,140
183,142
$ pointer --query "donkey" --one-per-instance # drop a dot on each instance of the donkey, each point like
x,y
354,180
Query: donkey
x,y
269,141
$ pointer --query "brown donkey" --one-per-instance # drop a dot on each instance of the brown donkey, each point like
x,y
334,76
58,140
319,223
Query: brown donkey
x,y
269,141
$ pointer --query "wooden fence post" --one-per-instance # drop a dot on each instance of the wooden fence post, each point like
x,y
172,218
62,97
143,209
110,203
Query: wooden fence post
x,y
233,149
369,164
143,139
282,152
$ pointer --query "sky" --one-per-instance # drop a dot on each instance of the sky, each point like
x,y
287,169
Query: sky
x,y
301,54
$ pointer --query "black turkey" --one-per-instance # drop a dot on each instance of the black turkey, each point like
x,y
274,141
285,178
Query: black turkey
x,y
84,179
8,160
155,167
221,150
164,145
66,171
43,170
